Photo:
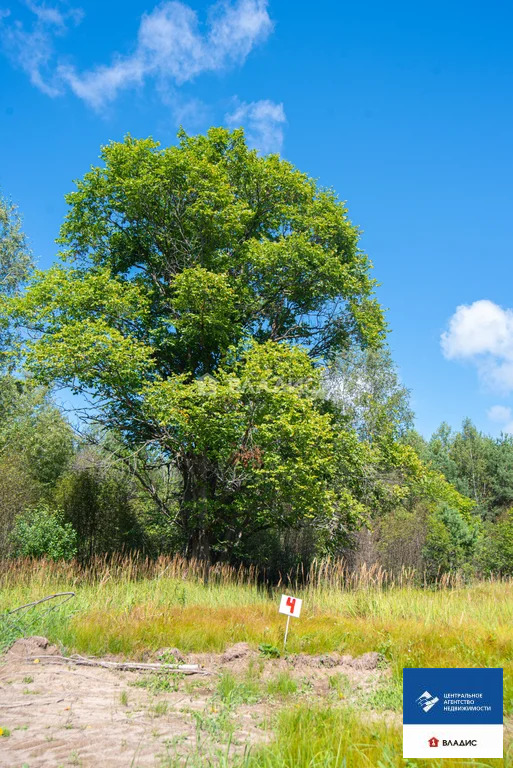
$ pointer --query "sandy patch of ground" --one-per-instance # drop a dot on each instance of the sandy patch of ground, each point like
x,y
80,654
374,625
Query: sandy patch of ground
x,y
61,715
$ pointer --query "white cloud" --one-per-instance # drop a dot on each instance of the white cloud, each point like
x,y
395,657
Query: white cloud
x,y
499,413
190,113
33,49
263,121
170,47
48,14
479,328
482,333
235,30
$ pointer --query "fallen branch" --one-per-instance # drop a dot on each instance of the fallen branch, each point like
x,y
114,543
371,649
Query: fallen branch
x,y
185,669
67,595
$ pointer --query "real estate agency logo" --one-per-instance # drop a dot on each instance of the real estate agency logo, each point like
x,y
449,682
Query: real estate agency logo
x,y
427,701
434,742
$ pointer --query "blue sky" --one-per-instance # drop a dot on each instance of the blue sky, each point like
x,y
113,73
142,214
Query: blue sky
x,y
404,108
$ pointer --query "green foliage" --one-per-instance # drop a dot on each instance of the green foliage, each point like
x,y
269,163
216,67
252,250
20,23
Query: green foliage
x,y
248,247
15,256
450,541
190,277
99,501
256,438
15,266
269,651
478,466
32,427
41,532
401,537
36,445
340,684
495,549
365,385
470,451
500,476
18,491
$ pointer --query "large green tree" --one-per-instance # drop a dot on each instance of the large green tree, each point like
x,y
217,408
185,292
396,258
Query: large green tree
x,y
200,285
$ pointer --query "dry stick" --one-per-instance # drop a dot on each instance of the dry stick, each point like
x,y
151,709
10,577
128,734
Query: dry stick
x,y
186,669
43,600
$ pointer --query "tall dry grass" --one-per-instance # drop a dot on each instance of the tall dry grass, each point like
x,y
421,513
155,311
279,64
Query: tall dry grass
x,y
324,573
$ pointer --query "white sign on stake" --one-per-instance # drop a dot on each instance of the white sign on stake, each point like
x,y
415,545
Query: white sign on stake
x,y
290,606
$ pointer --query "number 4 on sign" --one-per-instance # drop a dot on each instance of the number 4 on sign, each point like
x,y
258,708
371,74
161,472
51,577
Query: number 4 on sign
x,y
290,606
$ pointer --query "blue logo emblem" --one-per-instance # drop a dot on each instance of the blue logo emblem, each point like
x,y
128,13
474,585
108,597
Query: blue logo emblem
x,y
426,701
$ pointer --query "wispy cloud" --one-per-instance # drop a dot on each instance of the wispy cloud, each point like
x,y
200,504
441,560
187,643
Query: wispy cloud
x,y
54,16
501,414
32,49
482,333
263,121
170,47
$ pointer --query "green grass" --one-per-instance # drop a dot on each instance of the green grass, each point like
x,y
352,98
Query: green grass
x,y
387,696
160,682
281,685
466,626
320,737
233,691
340,684
129,610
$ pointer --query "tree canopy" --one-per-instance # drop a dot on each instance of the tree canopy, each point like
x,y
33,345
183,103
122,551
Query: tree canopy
x,y
199,290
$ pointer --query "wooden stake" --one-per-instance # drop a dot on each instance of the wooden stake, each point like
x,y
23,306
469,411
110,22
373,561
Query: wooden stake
x,y
286,632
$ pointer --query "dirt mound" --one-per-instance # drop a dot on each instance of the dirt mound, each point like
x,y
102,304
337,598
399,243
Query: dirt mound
x,y
329,660
236,652
367,661
325,660
26,647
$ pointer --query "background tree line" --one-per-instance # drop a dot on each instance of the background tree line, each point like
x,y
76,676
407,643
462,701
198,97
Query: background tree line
x,y
215,318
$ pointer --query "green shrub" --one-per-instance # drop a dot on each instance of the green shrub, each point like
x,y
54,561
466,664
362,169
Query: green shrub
x,y
495,549
98,501
269,651
41,532
450,541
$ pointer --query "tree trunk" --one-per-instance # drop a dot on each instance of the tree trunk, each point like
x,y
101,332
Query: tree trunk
x,y
199,545
198,493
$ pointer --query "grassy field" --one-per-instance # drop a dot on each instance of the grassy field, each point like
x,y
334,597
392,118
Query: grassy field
x,y
129,607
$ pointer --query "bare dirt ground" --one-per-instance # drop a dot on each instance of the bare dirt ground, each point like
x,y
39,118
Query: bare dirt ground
x,y
61,715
